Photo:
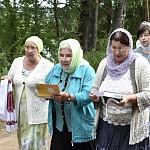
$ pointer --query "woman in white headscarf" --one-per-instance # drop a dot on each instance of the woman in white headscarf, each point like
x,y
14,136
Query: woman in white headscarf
x,y
143,35
125,77
31,110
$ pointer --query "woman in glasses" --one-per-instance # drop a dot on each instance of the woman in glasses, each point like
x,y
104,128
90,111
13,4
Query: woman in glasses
x,y
122,123
71,112
31,110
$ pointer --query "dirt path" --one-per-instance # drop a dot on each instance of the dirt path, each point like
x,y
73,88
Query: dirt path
x,y
8,141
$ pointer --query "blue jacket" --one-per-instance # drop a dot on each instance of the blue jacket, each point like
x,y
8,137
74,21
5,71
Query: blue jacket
x,y
82,109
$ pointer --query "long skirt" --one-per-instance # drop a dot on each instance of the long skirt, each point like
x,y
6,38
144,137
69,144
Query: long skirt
x,y
62,141
111,137
30,137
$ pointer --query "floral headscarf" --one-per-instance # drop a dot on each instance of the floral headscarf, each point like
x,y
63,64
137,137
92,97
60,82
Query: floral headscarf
x,y
77,54
117,71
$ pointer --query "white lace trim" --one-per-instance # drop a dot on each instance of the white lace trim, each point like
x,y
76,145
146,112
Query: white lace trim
x,y
117,116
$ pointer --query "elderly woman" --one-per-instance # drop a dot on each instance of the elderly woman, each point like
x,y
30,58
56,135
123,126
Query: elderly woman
x,y
31,110
71,112
123,125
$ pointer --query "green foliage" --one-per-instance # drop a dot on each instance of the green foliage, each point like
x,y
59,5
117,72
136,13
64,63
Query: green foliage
x,y
4,64
94,57
53,24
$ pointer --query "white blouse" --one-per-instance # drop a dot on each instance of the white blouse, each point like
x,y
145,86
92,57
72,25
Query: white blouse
x,y
117,115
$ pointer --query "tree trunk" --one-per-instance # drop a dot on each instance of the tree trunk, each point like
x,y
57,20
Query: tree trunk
x,y
83,24
119,15
147,11
93,20
36,19
56,18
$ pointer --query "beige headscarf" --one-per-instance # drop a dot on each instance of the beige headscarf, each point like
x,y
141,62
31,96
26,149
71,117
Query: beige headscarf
x,y
37,41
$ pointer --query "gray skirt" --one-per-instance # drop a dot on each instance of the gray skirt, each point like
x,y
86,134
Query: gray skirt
x,y
111,137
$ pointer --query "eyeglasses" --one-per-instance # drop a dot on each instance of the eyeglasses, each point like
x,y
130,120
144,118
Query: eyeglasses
x,y
67,56
33,48
114,48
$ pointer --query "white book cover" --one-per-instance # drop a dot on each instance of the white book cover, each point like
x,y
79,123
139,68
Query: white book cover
x,y
113,95
98,93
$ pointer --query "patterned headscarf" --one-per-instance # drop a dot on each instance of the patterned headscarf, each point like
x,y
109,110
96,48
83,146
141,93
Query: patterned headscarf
x,y
77,54
117,71
37,41
144,23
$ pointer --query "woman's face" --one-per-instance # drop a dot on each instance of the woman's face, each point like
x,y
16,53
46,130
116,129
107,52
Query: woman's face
x,y
145,38
65,58
120,51
31,50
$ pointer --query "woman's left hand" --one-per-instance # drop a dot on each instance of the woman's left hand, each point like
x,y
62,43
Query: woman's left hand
x,y
126,99
59,96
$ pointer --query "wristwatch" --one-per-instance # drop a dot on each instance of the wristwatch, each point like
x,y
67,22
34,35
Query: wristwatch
x,y
69,97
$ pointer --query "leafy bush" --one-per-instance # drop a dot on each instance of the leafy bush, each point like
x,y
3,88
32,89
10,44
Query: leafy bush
x,y
94,57
4,64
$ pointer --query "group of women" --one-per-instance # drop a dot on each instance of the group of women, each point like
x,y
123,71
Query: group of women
x,y
78,119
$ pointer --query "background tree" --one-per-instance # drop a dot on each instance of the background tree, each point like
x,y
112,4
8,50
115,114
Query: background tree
x,y
83,23
119,15
93,25
89,21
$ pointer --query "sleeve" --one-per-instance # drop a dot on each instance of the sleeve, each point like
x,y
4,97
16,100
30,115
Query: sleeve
x,y
142,75
11,70
82,97
99,75
49,76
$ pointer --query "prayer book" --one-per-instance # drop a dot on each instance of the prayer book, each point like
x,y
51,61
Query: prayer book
x,y
45,90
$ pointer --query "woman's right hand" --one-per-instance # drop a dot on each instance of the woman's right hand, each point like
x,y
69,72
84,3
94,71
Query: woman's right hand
x,y
94,98
5,77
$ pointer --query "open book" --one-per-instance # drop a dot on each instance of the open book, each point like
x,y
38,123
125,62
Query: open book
x,y
107,95
45,90
111,99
